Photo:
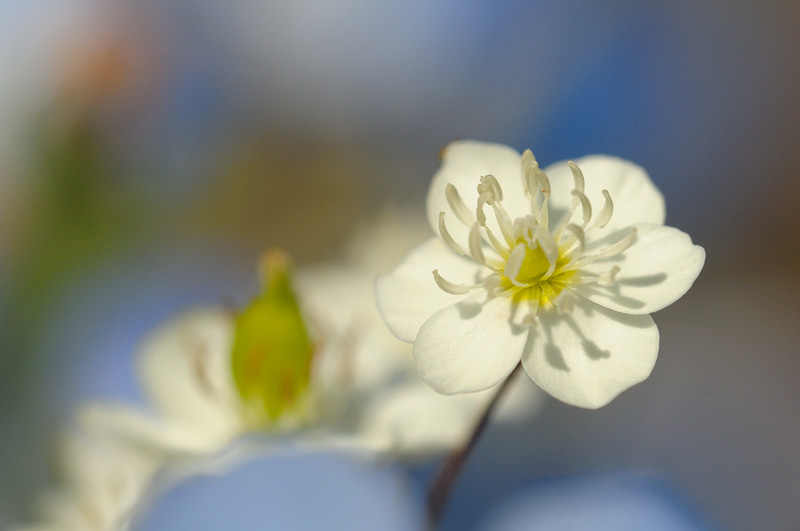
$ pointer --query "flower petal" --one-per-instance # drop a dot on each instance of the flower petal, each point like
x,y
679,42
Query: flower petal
x,y
587,357
147,435
408,295
655,271
415,421
183,367
464,162
636,199
469,346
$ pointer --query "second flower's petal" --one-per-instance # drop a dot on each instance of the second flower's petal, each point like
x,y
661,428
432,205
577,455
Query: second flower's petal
x,y
636,199
408,295
183,367
656,271
469,346
589,356
464,162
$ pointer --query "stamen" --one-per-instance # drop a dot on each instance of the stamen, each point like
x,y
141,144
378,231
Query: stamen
x,y
619,247
543,184
457,204
504,220
609,277
447,239
580,236
527,160
586,206
610,251
577,176
605,214
451,287
475,241
514,264
499,247
490,192
479,214
489,184
549,248
525,229
529,174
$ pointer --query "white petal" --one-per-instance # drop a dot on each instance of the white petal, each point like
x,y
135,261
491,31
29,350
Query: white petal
x,y
464,162
636,199
469,346
655,271
416,421
408,295
121,425
184,367
587,357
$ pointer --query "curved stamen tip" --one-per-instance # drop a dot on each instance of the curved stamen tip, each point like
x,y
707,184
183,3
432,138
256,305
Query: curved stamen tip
x,y
457,205
450,287
586,206
514,264
577,176
475,242
605,213
447,238
543,182
489,184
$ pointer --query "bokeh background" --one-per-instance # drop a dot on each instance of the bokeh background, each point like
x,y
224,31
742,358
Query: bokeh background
x,y
150,150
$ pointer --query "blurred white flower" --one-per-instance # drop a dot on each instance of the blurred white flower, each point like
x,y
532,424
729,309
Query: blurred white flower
x,y
102,483
208,376
567,295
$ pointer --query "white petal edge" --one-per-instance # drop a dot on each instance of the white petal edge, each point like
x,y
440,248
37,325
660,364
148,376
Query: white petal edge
x,y
469,346
408,295
658,269
636,199
589,356
464,162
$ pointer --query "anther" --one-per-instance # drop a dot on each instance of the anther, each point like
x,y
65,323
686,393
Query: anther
x,y
475,241
489,183
586,206
549,248
457,204
447,239
577,176
619,247
605,214
450,287
579,235
514,264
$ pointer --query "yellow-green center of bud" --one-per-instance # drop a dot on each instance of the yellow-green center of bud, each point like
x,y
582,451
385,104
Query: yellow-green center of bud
x,y
272,351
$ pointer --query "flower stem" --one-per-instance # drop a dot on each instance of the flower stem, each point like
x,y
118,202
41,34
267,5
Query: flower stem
x,y
446,477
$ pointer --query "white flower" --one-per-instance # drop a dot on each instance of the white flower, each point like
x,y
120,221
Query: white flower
x,y
363,392
102,483
556,268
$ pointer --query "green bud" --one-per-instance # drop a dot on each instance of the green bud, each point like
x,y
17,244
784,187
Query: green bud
x,y
271,349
